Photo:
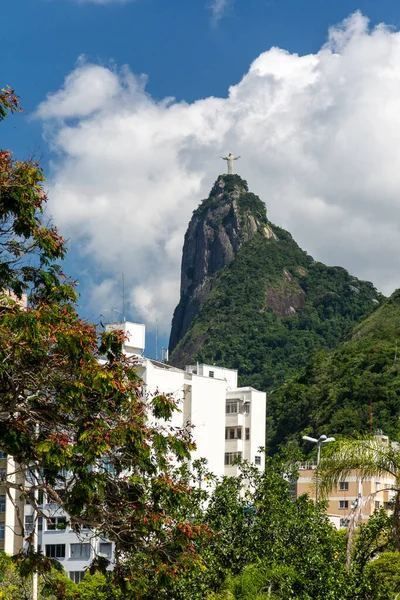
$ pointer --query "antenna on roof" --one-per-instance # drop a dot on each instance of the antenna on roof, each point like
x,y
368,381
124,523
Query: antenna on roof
x,y
123,298
156,339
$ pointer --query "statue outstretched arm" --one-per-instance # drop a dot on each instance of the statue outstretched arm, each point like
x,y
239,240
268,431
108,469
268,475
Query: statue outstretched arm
x,y
236,157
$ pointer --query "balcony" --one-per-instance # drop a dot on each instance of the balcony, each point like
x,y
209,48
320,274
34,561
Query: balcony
x,y
235,445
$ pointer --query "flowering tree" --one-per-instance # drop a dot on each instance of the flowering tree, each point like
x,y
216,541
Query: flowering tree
x,y
81,427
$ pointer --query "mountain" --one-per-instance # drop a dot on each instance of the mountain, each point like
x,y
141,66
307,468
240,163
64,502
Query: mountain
x,y
335,392
251,298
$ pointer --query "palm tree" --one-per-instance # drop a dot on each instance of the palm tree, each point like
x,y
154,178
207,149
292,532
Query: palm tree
x,y
370,457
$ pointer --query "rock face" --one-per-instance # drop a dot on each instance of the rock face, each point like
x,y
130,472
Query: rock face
x,y
251,298
221,224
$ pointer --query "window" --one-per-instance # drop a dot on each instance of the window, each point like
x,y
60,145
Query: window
x,y
232,407
60,493
377,504
55,550
3,454
105,549
233,433
247,433
31,495
257,460
3,474
343,486
76,576
343,504
2,503
80,550
377,486
56,523
2,531
231,457
246,408
29,524
388,505
211,373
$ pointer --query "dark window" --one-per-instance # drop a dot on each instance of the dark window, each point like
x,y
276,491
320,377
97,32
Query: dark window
x,y
55,550
343,504
76,576
231,457
344,486
211,373
80,550
247,433
105,549
56,523
239,433
377,504
29,524
2,503
257,460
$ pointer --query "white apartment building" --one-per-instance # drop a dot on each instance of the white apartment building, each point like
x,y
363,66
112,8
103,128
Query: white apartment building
x,y
228,422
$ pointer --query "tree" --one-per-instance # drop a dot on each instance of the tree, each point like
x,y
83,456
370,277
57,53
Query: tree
x,y
370,457
74,414
269,544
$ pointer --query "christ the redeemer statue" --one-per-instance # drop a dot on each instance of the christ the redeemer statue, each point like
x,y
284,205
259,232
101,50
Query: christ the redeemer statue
x,y
229,159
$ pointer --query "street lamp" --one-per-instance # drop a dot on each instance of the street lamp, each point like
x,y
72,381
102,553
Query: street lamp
x,y
323,439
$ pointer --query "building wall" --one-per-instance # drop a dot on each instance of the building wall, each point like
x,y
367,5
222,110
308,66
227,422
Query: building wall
x,y
208,417
247,422
201,393
347,492
212,371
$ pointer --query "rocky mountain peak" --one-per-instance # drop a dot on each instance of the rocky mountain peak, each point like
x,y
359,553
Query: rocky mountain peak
x,y
222,223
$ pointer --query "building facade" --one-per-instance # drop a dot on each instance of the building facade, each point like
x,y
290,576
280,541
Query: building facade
x,y
228,422
373,492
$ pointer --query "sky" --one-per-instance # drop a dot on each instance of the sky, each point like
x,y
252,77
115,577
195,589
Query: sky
x,y
129,105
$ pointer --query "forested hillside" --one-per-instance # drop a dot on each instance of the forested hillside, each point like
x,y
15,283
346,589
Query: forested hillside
x,y
272,305
334,392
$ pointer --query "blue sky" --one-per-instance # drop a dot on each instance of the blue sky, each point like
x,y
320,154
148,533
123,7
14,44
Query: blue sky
x,y
176,43
188,52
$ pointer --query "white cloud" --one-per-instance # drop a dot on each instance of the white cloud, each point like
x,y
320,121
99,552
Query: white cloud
x,y
319,137
218,9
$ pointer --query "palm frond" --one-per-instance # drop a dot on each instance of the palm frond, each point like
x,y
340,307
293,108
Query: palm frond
x,y
369,457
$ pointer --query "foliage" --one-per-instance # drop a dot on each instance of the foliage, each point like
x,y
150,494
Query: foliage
x,y
382,577
294,550
12,585
246,321
369,457
334,392
75,415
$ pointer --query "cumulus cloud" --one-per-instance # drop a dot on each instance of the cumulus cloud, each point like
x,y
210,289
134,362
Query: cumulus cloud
x,y
218,9
319,137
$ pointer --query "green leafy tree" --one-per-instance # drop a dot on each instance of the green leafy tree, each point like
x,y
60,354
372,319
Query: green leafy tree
x,y
270,543
74,414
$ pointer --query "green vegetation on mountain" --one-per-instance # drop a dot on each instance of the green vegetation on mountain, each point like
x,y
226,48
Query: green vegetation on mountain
x,y
333,393
271,307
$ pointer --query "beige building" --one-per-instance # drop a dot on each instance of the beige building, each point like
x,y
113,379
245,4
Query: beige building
x,y
374,492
